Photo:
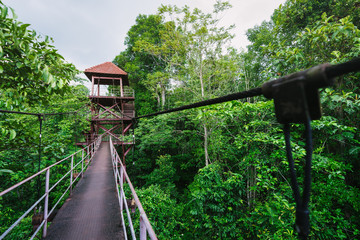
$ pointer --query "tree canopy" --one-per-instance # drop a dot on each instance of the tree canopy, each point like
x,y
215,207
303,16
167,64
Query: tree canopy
x,y
31,68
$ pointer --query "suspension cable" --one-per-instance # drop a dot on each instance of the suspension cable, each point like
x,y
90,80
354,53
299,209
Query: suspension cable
x,y
302,223
40,114
17,112
343,68
235,96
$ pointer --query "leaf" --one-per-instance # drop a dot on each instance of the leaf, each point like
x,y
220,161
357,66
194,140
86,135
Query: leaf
x,y
1,69
14,16
24,26
354,151
6,171
4,12
45,74
12,134
4,131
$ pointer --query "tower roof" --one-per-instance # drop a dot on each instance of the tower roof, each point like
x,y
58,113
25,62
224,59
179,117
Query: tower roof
x,y
107,69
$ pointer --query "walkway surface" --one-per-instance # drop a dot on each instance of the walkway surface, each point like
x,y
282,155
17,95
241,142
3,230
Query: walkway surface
x,y
92,211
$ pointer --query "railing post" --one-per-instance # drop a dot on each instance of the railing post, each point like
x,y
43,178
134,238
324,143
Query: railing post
x,y
142,229
71,173
87,152
46,205
121,88
82,163
93,149
121,187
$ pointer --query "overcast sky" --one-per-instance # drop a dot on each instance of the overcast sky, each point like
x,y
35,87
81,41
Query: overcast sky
x,y
90,32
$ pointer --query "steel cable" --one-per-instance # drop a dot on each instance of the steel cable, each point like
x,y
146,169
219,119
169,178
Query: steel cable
x,y
343,68
40,114
235,96
302,223
289,156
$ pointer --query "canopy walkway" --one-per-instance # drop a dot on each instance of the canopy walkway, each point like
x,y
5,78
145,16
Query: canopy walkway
x,y
92,211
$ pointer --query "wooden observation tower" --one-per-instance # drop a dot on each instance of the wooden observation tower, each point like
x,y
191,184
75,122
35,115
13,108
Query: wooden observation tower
x,y
112,105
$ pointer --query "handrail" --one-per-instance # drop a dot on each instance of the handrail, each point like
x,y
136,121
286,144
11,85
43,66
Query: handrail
x,y
145,226
90,152
127,92
105,92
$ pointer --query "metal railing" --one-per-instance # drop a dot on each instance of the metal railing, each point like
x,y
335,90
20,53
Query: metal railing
x,y
86,154
104,90
127,92
105,137
121,175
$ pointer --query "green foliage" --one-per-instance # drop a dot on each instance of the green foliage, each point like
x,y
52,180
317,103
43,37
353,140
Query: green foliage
x,y
246,193
164,175
22,231
139,64
160,137
192,48
297,14
19,154
323,41
163,212
335,204
30,66
218,204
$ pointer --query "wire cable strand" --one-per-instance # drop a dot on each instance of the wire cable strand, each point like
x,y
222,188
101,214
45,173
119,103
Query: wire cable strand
x,y
308,160
302,212
294,183
17,112
235,96
39,114
343,68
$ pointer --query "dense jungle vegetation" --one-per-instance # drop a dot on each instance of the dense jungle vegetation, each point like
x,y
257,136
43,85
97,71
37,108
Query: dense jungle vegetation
x,y
33,78
217,172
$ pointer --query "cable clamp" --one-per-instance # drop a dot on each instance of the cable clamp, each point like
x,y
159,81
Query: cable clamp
x,y
297,95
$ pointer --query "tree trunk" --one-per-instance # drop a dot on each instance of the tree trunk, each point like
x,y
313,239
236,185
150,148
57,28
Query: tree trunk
x,y
163,98
340,84
206,145
206,134
251,183
158,98
201,78
247,87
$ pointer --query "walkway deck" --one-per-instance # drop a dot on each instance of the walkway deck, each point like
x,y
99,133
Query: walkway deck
x,y
92,211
